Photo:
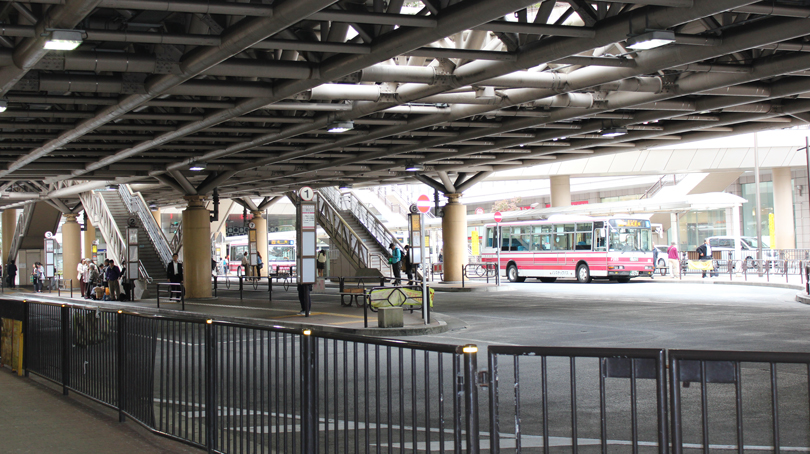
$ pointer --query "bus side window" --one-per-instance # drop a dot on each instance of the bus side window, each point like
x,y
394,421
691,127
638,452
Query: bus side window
x,y
601,242
489,236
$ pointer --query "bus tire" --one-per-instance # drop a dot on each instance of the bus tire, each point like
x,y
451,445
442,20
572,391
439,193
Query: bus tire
x,y
583,273
512,274
623,280
547,280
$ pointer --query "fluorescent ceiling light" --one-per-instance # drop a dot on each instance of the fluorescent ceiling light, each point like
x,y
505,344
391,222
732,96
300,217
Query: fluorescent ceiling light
x,y
341,126
414,167
614,132
64,40
3,105
650,40
196,166
343,186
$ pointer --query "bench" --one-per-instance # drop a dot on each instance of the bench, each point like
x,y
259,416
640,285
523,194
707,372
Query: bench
x,y
355,293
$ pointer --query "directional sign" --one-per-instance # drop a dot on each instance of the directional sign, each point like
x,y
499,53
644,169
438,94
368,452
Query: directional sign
x,y
306,193
498,216
423,203
48,234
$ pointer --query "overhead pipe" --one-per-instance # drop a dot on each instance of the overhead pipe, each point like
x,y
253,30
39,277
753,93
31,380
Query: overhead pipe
x,y
234,41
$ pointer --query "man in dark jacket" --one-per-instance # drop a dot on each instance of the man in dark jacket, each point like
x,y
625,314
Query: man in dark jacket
x,y
174,272
705,254
113,274
406,260
11,272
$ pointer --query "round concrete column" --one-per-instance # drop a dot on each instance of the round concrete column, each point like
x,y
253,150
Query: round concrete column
x,y
156,215
196,248
454,235
560,191
783,208
89,237
261,238
71,248
9,226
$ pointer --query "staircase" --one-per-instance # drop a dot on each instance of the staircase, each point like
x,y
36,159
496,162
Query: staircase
x,y
375,250
23,223
148,255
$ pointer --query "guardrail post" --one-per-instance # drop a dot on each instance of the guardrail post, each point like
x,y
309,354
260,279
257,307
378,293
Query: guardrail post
x,y
211,411
462,276
269,287
807,278
66,346
471,397
676,435
26,340
157,294
215,285
122,372
309,400
183,297
240,286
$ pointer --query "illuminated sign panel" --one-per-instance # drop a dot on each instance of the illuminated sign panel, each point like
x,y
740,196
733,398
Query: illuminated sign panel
x,y
632,223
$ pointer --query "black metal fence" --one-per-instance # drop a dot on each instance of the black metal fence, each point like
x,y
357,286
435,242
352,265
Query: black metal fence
x,y
241,388
230,388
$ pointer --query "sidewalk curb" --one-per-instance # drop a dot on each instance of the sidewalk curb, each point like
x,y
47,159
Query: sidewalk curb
x,y
803,298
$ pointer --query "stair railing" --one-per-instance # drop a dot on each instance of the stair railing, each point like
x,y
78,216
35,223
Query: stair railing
x,y
176,243
101,217
23,222
137,205
350,202
337,228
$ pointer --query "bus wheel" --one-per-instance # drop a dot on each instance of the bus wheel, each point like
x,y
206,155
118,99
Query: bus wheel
x,y
623,280
583,274
547,280
512,274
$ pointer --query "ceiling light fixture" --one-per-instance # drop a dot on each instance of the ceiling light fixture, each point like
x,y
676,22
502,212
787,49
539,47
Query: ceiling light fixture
x,y
414,167
341,126
650,40
64,40
614,132
196,166
3,105
344,186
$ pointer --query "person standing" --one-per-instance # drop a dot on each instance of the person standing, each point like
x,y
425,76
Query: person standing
x,y
226,265
705,254
113,274
321,262
674,262
245,264
259,265
92,279
174,273
655,260
80,270
11,271
37,277
396,262
406,261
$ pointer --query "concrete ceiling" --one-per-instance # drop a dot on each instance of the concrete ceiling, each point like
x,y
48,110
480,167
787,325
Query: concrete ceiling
x,y
250,88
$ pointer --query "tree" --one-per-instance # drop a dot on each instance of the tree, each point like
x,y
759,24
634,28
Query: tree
x,y
506,205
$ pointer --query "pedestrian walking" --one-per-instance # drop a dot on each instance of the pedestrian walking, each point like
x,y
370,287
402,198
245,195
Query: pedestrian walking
x,y
321,262
674,262
174,272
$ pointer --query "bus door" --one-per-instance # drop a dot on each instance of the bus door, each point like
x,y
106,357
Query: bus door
x,y
544,257
598,261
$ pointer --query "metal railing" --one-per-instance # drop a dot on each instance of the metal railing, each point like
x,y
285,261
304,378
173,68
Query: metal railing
x,y
347,239
175,293
350,202
137,205
484,271
95,207
663,181
176,243
230,387
23,222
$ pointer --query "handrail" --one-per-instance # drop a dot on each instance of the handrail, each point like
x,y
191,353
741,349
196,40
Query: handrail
x,y
137,205
350,202
19,231
100,215
338,229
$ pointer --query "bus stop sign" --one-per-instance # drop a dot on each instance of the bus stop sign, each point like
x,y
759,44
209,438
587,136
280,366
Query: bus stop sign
x,y
423,203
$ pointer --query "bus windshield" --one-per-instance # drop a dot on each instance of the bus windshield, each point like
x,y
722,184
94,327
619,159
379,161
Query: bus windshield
x,y
625,239
280,253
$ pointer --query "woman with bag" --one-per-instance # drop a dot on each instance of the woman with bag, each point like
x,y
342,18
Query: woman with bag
x,y
36,277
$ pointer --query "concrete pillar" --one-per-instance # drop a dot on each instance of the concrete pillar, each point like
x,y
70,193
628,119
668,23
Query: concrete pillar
x,y
9,227
89,237
454,233
261,238
783,208
196,249
71,248
736,223
674,229
560,191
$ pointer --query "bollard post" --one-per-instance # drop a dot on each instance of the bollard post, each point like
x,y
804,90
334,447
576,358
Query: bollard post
x,y
462,276
240,286
471,397
215,285
26,339
807,278
122,373
66,347
71,288
157,293
269,288
309,399
183,297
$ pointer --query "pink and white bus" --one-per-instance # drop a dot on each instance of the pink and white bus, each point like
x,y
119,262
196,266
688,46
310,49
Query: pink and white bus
x,y
572,247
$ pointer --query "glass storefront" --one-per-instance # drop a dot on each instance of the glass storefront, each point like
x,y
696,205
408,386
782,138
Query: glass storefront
x,y
749,214
695,226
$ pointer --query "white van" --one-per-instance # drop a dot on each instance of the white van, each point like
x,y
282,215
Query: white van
x,y
741,248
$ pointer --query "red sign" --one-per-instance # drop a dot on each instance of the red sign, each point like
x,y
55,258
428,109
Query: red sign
x,y
498,216
479,211
423,203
